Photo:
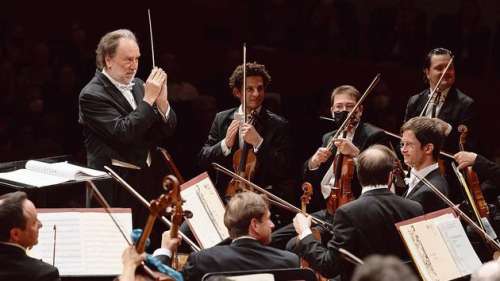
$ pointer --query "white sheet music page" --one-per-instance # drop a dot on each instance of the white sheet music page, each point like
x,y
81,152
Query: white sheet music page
x,y
69,253
88,243
203,200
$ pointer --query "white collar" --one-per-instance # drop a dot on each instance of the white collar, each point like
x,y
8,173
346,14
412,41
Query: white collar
x,y
444,94
120,86
14,244
244,237
425,171
373,187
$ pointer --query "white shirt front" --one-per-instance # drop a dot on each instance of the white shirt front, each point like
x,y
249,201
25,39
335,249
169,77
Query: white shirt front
x,y
440,103
413,181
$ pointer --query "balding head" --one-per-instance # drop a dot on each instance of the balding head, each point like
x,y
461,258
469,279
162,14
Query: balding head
x,y
374,165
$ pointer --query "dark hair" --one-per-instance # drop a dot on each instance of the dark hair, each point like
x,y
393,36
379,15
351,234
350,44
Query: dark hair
x,y
252,69
11,213
109,43
345,89
383,268
374,165
241,209
428,58
427,130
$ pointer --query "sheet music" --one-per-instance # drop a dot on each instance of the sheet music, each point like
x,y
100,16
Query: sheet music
x,y
208,212
68,251
88,243
460,248
439,246
41,174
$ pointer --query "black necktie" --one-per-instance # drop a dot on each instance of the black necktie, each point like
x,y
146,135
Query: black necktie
x,y
435,104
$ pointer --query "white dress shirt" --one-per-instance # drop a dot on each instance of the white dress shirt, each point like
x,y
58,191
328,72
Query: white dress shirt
x,y
413,181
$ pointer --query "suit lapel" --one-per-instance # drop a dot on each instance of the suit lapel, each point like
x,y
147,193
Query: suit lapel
x,y
360,136
116,95
449,104
422,100
420,184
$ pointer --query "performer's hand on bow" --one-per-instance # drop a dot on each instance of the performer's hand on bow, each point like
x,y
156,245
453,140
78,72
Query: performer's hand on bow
x,y
465,159
319,157
301,223
346,147
250,135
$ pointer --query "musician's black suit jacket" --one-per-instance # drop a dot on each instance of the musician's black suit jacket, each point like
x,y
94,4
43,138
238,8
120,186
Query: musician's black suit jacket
x,y
487,170
425,196
241,254
458,108
364,226
274,157
113,130
364,136
16,265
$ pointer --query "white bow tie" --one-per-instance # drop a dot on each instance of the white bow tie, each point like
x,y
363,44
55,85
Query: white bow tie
x,y
127,87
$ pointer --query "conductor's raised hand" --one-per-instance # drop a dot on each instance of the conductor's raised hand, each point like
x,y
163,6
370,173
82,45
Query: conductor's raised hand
x,y
154,84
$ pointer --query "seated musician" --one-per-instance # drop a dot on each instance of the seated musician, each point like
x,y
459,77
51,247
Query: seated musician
x,y
318,169
248,220
421,142
19,227
269,137
364,226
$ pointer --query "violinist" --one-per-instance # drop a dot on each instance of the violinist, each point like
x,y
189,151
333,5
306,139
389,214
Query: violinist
x,y
420,145
448,103
249,223
318,169
364,226
268,138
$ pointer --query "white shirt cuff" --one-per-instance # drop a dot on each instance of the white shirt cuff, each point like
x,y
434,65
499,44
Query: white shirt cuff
x,y
256,148
165,117
162,252
225,150
305,232
310,167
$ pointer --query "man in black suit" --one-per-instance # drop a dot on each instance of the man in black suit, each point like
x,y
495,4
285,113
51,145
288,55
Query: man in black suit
x,y
421,142
448,103
318,169
19,232
364,226
249,223
268,138
123,118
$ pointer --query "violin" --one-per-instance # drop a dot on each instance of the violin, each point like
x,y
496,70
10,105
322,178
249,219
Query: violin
x,y
244,159
341,193
344,165
177,217
244,162
473,180
157,208
304,201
